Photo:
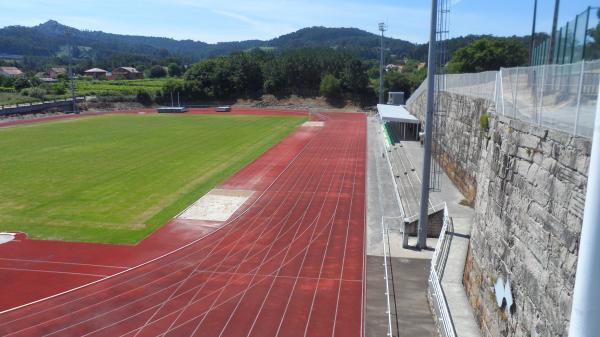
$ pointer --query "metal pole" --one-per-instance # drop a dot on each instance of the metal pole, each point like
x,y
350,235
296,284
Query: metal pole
x,y
74,101
425,175
579,90
531,62
585,36
553,35
382,29
585,310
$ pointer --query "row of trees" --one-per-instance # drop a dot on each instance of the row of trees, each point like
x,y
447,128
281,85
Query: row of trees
x,y
302,72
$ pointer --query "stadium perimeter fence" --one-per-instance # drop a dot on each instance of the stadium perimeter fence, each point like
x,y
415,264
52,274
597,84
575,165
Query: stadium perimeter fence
x,y
558,96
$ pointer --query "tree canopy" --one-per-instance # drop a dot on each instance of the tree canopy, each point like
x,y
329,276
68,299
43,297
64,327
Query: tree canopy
x,y
488,54
299,71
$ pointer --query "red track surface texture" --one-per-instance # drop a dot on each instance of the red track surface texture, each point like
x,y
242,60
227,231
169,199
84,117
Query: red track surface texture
x,y
290,264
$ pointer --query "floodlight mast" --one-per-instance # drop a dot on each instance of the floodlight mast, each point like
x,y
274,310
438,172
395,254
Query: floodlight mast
x,y
382,28
426,173
71,76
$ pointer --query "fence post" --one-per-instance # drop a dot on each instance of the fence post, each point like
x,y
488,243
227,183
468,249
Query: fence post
x,y
579,90
539,114
516,94
502,92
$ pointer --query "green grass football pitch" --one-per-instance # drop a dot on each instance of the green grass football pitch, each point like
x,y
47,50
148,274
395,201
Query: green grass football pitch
x,y
116,178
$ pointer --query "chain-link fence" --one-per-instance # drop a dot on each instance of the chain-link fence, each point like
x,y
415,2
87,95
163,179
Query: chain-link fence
x,y
559,96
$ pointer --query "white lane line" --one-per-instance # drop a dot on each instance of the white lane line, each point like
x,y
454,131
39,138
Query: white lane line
x,y
323,261
180,283
152,260
294,239
61,262
51,272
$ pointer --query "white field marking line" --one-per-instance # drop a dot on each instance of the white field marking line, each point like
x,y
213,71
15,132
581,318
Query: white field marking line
x,y
180,282
325,257
181,294
305,252
364,263
279,192
296,224
345,248
197,301
278,269
206,296
330,225
314,222
364,251
232,297
281,276
155,259
50,271
265,226
305,188
60,262
227,300
264,230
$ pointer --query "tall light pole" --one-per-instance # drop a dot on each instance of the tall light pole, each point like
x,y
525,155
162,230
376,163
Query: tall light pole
x,y
382,28
71,77
426,174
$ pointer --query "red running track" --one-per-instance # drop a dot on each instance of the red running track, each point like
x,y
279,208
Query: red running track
x,y
290,264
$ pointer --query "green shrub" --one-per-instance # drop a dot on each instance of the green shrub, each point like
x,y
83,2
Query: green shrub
x,y
59,88
22,83
37,92
330,87
484,121
144,98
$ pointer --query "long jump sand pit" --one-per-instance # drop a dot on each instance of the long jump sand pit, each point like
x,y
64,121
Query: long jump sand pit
x,y
216,205
313,124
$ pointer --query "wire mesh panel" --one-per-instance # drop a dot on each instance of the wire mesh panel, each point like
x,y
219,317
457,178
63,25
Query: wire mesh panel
x,y
559,96
573,42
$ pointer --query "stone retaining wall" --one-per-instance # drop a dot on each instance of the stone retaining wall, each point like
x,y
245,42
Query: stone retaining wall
x,y
460,138
529,185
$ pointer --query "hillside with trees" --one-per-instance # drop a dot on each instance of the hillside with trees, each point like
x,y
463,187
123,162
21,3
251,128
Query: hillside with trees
x,y
306,72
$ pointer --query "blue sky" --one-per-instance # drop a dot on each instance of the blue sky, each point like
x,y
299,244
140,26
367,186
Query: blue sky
x,y
213,21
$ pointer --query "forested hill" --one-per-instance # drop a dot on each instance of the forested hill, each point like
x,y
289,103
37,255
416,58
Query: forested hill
x,y
46,44
49,40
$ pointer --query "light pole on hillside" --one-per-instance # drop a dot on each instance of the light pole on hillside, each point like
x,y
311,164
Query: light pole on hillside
x,y
71,77
382,28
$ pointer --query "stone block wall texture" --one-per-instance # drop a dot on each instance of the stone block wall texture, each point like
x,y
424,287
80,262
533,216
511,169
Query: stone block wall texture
x,y
530,187
459,145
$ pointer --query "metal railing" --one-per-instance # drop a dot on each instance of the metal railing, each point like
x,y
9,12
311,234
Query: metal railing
x,y
438,264
557,96
388,276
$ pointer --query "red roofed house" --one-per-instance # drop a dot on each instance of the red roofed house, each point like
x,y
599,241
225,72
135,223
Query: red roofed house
x,y
11,72
129,73
55,71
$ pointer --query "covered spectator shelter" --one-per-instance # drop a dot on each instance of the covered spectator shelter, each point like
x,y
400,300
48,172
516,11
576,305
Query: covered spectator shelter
x,y
399,123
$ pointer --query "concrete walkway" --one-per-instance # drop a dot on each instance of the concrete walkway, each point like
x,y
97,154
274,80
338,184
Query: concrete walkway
x,y
462,217
411,313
